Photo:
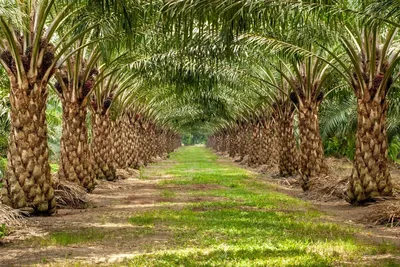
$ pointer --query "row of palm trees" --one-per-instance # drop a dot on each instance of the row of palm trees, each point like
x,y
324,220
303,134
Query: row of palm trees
x,y
74,48
214,64
299,62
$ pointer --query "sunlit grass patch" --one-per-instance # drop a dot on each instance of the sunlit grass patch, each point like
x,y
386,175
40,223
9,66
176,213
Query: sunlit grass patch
x,y
142,175
54,167
66,238
243,221
168,193
142,220
224,255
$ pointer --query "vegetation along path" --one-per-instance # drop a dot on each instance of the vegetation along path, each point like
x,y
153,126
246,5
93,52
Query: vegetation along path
x,y
194,209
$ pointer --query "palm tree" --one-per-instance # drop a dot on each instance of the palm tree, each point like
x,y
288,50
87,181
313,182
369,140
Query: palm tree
x,y
75,81
278,92
29,58
310,76
105,92
373,58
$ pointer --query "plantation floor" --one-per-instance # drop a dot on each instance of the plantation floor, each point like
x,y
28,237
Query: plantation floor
x,y
194,209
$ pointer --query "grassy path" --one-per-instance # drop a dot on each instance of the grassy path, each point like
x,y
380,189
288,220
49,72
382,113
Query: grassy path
x,y
200,210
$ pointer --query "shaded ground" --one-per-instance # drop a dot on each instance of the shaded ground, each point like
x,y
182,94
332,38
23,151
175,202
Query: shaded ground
x,y
195,210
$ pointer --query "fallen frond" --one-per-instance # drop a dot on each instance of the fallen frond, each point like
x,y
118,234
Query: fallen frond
x,y
10,216
127,173
70,195
327,188
385,213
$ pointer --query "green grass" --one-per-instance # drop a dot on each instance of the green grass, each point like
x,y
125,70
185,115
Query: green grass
x,y
142,220
3,230
243,222
168,193
66,238
54,167
3,164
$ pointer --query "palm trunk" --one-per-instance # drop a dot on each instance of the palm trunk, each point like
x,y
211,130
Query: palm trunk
x,y
28,181
75,156
141,143
312,162
132,148
234,143
268,152
118,136
288,153
370,176
254,145
101,147
243,141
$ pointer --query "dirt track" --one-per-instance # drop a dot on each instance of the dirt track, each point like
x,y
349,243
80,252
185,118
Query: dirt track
x,y
111,205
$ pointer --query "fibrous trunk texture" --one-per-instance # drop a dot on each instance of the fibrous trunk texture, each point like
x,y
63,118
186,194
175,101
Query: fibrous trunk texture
x,y
119,137
288,153
101,147
234,142
132,151
75,157
269,145
254,145
370,176
28,181
312,162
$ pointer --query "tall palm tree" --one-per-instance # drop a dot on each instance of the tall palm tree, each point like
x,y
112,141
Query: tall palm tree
x,y
374,57
29,57
75,82
308,88
278,90
105,92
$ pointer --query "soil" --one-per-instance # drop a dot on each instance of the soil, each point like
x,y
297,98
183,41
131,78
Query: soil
x,y
113,202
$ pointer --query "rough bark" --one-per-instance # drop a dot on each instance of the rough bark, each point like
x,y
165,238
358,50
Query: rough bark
x,y
28,182
288,153
312,162
132,147
370,176
268,151
75,157
254,145
101,147
234,142
119,142
243,141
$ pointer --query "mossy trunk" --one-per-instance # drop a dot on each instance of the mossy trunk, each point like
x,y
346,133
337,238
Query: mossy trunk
x,y
28,182
370,176
75,157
